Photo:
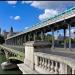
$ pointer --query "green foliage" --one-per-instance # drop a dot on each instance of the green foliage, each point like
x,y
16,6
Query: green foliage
x,y
73,40
48,38
2,40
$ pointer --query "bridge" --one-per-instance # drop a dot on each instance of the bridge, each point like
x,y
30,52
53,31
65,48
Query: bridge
x,y
65,52
12,52
61,21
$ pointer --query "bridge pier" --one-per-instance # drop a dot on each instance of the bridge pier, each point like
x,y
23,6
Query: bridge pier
x,y
64,38
28,37
69,28
42,36
25,38
34,36
52,38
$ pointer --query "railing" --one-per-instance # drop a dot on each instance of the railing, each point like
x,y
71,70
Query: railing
x,y
18,48
47,63
16,54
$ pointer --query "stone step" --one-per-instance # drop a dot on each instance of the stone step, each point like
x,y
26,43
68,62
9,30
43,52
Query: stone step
x,y
26,70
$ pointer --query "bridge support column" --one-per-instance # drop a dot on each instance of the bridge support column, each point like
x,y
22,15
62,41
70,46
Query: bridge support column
x,y
14,41
24,38
42,36
64,38
29,37
20,40
34,36
69,27
52,37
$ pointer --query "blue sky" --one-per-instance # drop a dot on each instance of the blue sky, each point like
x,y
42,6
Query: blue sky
x,y
23,14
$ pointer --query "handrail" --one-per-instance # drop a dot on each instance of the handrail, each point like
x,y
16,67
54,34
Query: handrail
x,y
63,59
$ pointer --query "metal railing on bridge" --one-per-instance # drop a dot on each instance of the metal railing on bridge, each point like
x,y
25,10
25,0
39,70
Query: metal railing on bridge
x,y
17,53
16,47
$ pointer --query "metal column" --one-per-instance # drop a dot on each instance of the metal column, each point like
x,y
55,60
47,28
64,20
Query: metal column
x,y
64,38
52,37
69,27
42,36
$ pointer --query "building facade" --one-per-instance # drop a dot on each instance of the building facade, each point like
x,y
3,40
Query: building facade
x,y
8,34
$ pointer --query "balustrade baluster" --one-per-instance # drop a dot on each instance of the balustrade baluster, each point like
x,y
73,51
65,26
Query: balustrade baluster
x,y
48,65
56,67
60,68
45,63
52,67
40,61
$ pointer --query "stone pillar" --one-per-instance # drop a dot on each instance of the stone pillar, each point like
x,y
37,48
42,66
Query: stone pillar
x,y
52,37
73,71
69,27
64,38
30,48
29,57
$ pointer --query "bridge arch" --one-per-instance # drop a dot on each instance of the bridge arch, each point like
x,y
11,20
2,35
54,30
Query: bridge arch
x,y
14,60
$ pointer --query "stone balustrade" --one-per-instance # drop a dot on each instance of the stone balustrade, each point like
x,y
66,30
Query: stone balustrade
x,y
49,65
46,65
40,58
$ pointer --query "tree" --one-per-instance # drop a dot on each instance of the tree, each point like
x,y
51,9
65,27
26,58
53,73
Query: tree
x,y
48,37
2,40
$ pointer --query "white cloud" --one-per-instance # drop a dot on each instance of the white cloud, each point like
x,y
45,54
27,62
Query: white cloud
x,y
48,13
16,17
12,2
26,28
60,5
55,6
27,2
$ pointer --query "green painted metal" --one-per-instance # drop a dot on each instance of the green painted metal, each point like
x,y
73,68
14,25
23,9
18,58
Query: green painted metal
x,y
19,54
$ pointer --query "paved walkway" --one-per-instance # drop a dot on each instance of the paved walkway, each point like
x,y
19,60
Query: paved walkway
x,y
26,70
70,54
